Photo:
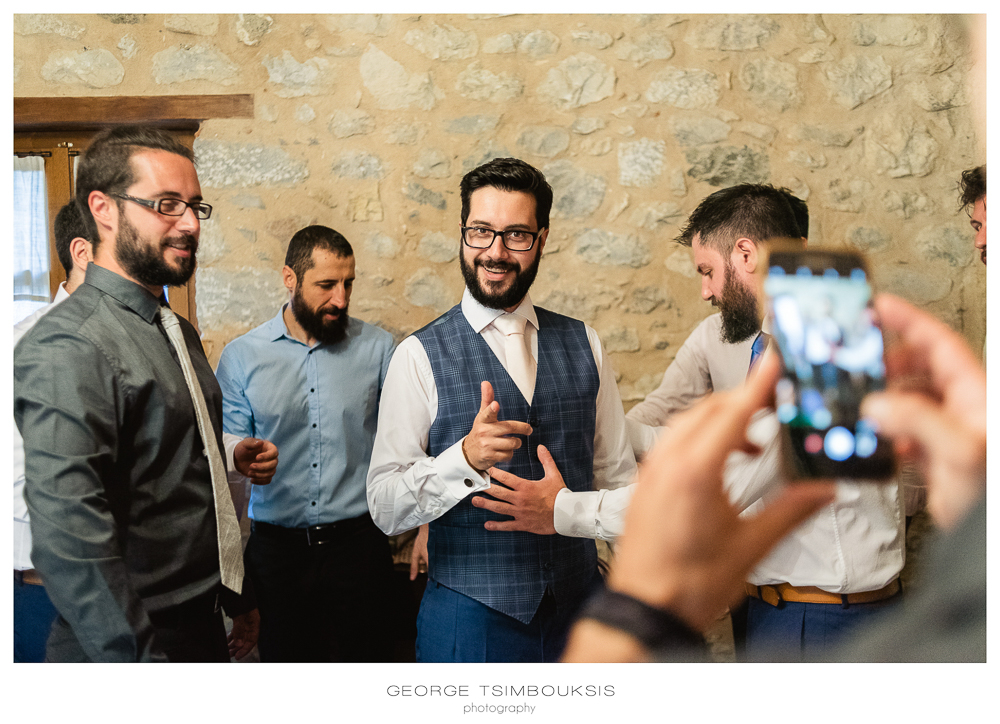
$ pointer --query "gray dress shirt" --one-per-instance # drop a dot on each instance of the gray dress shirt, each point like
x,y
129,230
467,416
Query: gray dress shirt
x,y
117,482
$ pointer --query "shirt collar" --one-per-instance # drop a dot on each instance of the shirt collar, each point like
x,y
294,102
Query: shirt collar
x,y
480,317
61,293
276,328
133,296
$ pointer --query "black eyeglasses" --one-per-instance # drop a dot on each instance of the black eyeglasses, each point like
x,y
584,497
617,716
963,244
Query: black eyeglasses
x,y
171,207
478,237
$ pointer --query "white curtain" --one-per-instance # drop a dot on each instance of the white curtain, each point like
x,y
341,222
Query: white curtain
x,y
31,237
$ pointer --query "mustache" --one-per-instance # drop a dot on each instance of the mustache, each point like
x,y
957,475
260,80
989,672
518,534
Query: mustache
x,y
496,265
339,311
183,240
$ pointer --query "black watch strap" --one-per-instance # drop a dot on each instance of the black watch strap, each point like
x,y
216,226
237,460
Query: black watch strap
x,y
655,628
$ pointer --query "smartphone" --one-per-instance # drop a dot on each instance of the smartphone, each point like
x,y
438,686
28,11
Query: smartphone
x,y
820,306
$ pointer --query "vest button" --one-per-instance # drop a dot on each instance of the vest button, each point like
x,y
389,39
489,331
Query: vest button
x,y
547,566
468,483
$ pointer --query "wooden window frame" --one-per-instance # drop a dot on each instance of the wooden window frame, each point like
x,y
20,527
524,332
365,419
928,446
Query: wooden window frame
x,y
63,127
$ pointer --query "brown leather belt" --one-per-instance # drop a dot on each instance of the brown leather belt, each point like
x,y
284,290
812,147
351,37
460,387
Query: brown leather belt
x,y
774,595
29,576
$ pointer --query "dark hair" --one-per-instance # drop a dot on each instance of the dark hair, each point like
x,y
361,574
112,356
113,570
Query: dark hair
x,y
69,225
106,165
509,174
800,210
300,248
972,186
756,211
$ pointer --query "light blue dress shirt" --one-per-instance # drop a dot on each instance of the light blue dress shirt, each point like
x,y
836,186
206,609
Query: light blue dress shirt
x,y
319,405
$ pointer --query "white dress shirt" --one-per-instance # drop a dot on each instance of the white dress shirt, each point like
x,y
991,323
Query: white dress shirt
x,y
22,528
407,488
856,543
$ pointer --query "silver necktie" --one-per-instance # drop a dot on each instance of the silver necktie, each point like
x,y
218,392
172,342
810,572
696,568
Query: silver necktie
x,y
227,527
520,363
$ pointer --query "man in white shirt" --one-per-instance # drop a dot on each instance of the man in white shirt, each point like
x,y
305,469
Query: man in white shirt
x,y
499,390
33,611
842,564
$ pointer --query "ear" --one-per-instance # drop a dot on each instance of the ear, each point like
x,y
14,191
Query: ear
x,y
105,213
82,253
541,240
745,255
288,277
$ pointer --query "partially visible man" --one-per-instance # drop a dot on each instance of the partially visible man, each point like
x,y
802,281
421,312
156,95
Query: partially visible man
x,y
843,565
686,552
33,611
500,390
973,200
800,210
309,380
132,523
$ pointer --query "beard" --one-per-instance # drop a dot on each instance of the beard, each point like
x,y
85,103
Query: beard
x,y
738,305
491,294
146,262
311,320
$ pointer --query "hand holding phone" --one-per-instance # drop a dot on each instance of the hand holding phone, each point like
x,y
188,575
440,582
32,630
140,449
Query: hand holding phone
x,y
820,304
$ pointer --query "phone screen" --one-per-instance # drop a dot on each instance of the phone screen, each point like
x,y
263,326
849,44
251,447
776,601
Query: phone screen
x,y
824,325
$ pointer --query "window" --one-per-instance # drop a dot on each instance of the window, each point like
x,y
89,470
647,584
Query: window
x,y
31,237
56,130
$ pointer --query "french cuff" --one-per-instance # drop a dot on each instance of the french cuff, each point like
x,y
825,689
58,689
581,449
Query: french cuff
x,y
459,478
574,514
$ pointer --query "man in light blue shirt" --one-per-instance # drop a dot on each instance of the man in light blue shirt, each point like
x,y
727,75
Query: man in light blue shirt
x,y
309,380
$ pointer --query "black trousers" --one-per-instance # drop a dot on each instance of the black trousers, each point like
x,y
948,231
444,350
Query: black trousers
x,y
190,632
323,596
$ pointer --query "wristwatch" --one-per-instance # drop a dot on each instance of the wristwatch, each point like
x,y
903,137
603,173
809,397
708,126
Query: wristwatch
x,y
655,628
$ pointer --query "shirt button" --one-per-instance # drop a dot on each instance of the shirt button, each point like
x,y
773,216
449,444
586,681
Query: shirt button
x,y
314,424
468,483
437,511
314,464
314,502
312,389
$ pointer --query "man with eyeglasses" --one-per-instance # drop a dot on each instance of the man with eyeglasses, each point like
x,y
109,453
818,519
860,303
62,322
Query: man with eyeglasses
x,y
499,391
121,417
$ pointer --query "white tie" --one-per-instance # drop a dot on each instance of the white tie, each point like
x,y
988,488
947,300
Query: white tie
x,y
520,363
226,525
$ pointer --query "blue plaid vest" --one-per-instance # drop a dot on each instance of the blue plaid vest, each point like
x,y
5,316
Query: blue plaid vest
x,y
510,571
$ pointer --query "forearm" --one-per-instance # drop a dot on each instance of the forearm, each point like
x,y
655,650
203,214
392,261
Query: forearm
x,y
593,642
748,478
641,437
685,381
235,604
402,496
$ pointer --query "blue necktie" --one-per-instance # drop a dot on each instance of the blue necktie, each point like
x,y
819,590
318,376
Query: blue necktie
x,y
759,345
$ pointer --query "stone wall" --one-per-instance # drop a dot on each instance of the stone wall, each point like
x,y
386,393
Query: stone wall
x,y
366,123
